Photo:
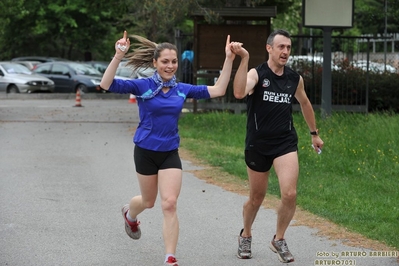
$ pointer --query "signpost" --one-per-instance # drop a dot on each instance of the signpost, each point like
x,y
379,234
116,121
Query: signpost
x,y
327,15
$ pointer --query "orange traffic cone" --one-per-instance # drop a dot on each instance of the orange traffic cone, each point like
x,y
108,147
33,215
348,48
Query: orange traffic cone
x,y
132,99
77,99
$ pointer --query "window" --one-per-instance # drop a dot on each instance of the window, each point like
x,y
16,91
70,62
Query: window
x,y
43,69
59,70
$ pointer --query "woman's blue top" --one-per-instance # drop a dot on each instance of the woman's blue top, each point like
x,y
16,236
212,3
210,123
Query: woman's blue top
x,y
158,126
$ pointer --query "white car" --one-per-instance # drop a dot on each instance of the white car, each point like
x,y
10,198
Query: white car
x,y
16,78
298,61
374,67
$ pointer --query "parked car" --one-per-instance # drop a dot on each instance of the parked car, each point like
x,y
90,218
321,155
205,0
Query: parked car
x,y
71,76
42,59
124,72
127,72
29,64
305,61
374,67
99,65
15,78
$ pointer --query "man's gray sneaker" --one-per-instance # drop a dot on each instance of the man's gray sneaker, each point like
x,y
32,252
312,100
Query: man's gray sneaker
x,y
244,246
280,247
131,228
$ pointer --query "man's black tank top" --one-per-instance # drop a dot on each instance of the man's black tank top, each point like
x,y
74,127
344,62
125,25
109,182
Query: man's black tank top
x,y
270,125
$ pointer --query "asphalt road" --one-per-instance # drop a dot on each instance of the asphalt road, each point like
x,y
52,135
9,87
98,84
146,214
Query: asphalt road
x,y
66,171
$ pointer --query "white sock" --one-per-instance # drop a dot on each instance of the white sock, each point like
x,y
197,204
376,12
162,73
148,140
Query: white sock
x,y
167,256
129,218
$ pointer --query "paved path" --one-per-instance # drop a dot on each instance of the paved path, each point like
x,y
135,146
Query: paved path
x,y
66,171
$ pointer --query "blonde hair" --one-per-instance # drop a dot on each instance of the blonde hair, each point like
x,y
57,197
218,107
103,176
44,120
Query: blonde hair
x,y
145,51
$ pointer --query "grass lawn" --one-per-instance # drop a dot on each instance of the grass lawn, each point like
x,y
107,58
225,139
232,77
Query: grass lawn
x,y
353,183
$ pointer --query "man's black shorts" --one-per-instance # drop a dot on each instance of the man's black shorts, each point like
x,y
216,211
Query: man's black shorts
x,y
263,163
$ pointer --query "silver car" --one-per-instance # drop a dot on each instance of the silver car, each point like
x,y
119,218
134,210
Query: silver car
x,y
15,78
127,72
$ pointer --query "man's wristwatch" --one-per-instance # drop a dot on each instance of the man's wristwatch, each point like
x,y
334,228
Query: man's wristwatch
x,y
314,133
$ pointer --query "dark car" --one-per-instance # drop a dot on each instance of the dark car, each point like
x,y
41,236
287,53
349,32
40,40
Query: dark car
x,y
99,65
70,76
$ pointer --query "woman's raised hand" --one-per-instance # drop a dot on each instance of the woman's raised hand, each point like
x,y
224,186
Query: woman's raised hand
x,y
228,50
122,45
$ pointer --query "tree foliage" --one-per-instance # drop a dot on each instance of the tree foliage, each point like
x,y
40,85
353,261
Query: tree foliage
x,y
155,20
370,16
57,28
86,29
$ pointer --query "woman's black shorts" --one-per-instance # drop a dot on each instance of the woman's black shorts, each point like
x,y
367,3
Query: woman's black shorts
x,y
149,162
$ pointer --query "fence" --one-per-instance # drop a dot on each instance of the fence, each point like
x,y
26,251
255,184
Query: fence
x,y
355,61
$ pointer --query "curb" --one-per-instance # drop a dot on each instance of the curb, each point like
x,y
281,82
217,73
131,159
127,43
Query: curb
x,y
62,96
